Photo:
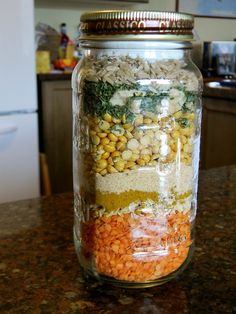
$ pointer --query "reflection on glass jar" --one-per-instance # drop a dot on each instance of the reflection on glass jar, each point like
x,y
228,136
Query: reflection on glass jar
x,y
137,113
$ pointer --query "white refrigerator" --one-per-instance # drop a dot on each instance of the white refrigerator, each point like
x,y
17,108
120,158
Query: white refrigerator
x,y
19,153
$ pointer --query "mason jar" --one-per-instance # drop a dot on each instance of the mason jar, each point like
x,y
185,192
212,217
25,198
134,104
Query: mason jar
x,y
136,122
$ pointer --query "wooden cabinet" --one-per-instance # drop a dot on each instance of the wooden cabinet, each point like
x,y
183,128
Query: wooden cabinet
x,y
55,112
218,144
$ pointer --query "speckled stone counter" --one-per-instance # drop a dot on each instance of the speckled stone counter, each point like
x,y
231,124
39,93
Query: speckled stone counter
x,y
39,272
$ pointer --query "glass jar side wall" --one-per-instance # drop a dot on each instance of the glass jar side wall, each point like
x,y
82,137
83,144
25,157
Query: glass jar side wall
x,y
136,147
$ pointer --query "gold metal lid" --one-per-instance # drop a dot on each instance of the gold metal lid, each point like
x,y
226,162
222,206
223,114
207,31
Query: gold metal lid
x,y
136,25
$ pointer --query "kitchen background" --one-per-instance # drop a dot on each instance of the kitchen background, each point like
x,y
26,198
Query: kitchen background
x,y
54,12
47,167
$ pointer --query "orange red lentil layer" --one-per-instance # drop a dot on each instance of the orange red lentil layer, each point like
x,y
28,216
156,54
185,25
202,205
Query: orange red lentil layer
x,y
137,248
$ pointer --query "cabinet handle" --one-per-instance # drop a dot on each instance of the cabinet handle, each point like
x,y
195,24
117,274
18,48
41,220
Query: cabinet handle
x,y
8,128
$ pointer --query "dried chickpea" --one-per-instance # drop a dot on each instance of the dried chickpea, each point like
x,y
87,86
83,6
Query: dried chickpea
x,y
190,116
105,155
130,164
145,151
119,165
138,134
128,134
97,157
103,172
105,141
138,120
145,140
117,130
127,126
134,157
154,118
107,117
99,147
174,147
132,144
123,139
95,139
178,114
110,160
115,154
158,134
141,147
112,144
104,125
131,129
147,121
101,164
123,119
115,120
150,133
146,158
134,167
111,169
175,134
120,146
156,148
112,137
150,115
109,148
102,134
126,154
141,162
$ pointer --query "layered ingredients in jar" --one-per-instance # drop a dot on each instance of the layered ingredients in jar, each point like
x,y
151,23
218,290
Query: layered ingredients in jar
x,y
135,135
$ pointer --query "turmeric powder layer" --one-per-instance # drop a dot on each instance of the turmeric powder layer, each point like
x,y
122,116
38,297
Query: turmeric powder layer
x,y
134,248
114,201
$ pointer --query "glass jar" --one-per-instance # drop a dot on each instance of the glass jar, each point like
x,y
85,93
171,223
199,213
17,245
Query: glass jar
x,y
137,115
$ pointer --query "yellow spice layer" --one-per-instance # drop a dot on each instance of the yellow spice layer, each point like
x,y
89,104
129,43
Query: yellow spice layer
x,y
113,201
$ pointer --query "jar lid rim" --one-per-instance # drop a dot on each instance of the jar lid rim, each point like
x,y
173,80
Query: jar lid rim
x,y
139,14
161,25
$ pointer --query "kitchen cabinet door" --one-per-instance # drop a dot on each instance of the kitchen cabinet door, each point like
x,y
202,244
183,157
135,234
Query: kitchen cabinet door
x,y
218,132
56,112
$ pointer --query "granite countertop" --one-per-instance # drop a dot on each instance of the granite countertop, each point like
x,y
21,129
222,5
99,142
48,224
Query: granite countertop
x,y
39,272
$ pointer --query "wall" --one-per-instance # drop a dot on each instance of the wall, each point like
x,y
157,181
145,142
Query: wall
x,y
54,12
209,29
